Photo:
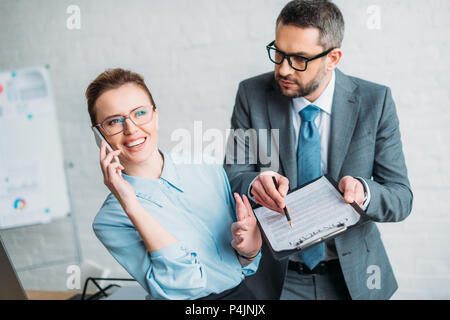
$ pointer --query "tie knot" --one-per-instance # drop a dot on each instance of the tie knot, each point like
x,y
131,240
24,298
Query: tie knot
x,y
309,113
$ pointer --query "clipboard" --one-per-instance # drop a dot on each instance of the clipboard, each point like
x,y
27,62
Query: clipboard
x,y
333,232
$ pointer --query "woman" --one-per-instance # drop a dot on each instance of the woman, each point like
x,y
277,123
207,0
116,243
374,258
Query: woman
x,y
167,223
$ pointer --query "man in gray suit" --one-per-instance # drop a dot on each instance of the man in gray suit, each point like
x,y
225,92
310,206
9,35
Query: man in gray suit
x,y
329,123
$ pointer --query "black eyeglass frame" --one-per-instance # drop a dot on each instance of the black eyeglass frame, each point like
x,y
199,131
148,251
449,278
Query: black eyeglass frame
x,y
288,56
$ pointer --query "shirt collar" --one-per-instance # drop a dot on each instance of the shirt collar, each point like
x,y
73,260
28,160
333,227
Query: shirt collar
x,y
169,174
324,101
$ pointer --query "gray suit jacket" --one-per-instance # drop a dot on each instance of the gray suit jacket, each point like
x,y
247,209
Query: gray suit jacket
x,y
364,142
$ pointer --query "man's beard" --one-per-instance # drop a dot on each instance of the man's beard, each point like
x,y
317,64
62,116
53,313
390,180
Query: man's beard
x,y
303,90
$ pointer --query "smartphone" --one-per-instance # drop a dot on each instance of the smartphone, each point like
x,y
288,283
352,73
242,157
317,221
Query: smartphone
x,y
99,138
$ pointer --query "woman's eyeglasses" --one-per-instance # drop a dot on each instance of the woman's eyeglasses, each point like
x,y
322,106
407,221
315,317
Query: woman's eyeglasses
x,y
116,124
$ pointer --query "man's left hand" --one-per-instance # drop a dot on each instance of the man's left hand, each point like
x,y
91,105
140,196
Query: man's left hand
x,y
353,190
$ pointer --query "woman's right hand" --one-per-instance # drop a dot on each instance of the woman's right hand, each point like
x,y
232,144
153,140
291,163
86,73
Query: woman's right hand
x,y
121,188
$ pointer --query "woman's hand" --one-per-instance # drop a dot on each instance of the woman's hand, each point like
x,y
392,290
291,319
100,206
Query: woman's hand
x,y
111,177
246,235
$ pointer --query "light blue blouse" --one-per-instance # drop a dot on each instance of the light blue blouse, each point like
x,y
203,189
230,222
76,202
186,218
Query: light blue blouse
x,y
195,204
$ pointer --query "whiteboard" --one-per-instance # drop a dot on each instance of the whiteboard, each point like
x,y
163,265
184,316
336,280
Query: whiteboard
x,y
33,186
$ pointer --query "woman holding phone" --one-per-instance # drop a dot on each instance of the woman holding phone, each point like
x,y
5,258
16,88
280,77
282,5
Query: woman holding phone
x,y
167,222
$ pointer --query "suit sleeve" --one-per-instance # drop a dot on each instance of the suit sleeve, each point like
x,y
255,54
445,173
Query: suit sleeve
x,y
240,162
391,195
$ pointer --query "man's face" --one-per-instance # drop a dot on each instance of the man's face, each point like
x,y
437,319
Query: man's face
x,y
303,42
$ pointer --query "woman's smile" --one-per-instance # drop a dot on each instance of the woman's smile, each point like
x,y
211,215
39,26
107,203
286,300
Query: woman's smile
x,y
135,144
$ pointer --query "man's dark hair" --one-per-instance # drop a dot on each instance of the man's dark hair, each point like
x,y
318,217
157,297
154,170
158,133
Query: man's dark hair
x,y
321,14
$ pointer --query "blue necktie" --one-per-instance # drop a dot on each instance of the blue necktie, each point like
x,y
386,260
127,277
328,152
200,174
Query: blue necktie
x,y
309,168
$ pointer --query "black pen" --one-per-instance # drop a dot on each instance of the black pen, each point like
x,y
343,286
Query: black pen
x,y
284,209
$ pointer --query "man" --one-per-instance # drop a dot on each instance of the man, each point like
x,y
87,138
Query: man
x,y
329,123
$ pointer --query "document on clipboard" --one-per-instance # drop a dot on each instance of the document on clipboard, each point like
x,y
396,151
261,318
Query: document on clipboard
x,y
318,213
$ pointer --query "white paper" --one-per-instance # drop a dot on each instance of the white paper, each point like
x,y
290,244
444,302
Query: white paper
x,y
315,210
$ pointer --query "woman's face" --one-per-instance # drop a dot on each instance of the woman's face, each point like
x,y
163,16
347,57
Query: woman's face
x,y
138,143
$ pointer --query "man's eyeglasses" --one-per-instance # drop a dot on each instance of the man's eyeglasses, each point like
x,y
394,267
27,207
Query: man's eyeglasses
x,y
116,124
298,63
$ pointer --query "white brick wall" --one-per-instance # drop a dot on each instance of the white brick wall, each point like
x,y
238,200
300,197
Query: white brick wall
x,y
193,54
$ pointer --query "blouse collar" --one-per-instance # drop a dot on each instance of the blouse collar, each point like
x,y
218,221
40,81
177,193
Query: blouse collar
x,y
169,175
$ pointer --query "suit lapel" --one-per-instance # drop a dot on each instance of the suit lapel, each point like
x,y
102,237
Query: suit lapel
x,y
280,117
344,115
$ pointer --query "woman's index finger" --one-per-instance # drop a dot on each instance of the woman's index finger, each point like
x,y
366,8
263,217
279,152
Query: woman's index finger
x,y
240,207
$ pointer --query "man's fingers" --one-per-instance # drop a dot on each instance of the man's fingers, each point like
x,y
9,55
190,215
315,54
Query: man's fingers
x,y
272,205
272,191
359,193
347,185
349,193
353,190
283,184
259,192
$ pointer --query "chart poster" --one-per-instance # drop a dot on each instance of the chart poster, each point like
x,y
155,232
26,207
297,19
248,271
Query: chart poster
x,y
33,186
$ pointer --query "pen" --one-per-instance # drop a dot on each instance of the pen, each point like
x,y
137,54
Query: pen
x,y
284,209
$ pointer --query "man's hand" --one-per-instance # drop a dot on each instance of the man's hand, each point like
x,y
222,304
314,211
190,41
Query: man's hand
x,y
353,190
264,191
